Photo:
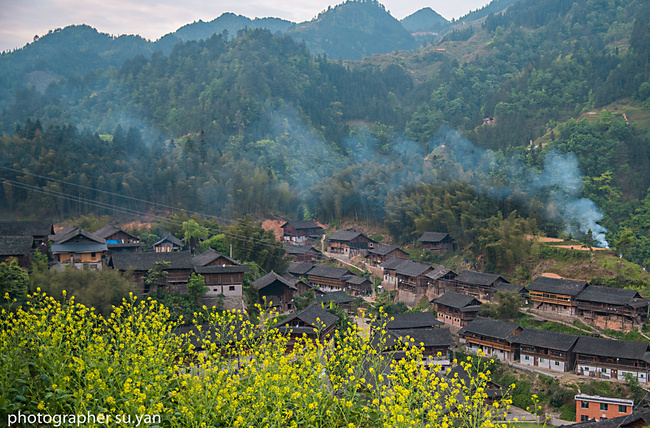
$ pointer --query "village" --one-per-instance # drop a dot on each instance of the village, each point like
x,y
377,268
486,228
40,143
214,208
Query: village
x,y
350,270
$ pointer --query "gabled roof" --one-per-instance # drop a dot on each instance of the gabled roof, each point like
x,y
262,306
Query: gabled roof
x,y
456,300
545,339
313,315
308,224
346,236
300,268
567,287
424,336
383,249
108,231
145,261
26,228
204,270
413,320
338,297
412,269
299,249
170,238
271,278
439,272
16,245
479,278
328,272
611,348
392,263
432,236
490,328
608,295
208,256
78,247
66,235
354,279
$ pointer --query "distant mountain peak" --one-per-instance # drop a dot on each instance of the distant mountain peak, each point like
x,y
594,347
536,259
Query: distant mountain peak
x,y
425,19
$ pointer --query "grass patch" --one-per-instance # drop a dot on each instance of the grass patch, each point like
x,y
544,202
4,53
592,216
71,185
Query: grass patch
x,y
553,326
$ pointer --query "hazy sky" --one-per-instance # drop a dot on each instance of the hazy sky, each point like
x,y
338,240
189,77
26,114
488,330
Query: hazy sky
x,y
21,20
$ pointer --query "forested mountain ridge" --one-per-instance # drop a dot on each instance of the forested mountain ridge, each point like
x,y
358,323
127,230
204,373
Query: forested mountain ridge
x,y
256,124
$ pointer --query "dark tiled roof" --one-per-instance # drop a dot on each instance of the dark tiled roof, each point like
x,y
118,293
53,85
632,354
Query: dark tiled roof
x,y
78,247
302,225
270,278
204,270
170,238
412,320
490,328
432,236
383,249
568,287
338,297
25,228
146,261
412,269
313,315
328,272
425,336
392,263
16,245
608,295
64,236
300,268
439,272
355,280
345,236
545,339
298,249
511,288
636,419
456,300
108,231
610,348
478,278
208,256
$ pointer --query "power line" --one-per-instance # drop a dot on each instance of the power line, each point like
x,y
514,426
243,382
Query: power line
x,y
107,206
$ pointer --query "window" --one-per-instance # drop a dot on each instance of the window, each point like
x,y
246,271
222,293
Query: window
x,y
231,288
622,409
557,363
584,418
584,404
603,407
526,358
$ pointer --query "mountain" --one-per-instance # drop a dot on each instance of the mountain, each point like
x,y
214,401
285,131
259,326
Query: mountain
x,y
424,20
353,30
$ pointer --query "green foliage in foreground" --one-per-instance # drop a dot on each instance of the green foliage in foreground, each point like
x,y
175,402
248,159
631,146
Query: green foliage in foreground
x,y
67,359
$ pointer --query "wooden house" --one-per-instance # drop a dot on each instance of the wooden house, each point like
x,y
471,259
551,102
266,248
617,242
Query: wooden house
x,y
492,337
412,321
78,248
349,243
222,274
612,308
340,298
301,232
411,277
546,349
389,269
277,291
313,322
441,280
358,285
478,284
178,270
300,269
436,242
555,295
435,342
456,309
18,247
40,231
118,240
382,252
302,253
328,278
168,244
612,359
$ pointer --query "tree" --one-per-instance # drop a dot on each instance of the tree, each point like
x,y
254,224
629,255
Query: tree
x,y
193,232
506,307
196,286
156,277
14,281
303,300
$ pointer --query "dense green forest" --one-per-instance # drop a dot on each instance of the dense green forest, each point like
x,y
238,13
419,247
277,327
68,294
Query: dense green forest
x,y
500,129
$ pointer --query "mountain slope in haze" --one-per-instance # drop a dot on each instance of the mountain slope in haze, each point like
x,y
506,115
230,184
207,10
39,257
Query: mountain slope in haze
x,y
354,30
425,19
